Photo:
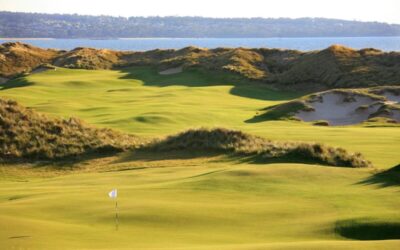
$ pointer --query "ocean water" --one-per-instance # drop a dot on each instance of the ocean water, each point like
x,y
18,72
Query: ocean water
x,y
142,44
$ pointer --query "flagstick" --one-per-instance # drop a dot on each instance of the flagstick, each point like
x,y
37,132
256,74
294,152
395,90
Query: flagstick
x,y
113,195
116,215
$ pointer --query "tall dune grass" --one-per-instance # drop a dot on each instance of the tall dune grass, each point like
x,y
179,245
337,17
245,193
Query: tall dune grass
x,y
239,143
26,134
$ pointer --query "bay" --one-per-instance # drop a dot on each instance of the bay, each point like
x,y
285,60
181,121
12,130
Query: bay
x,y
143,44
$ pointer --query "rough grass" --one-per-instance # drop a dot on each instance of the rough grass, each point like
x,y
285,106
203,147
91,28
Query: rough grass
x,y
18,58
188,203
25,134
334,67
382,89
28,135
88,58
385,111
321,123
341,67
237,142
122,100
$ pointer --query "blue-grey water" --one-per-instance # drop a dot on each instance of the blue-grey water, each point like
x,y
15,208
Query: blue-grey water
x,y
142,44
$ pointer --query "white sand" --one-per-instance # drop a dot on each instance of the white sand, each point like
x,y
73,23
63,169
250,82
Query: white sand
x,y
396,115
391,97
171,71
336,111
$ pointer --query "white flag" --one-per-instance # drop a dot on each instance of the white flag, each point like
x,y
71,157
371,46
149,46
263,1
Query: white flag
x,y
113,194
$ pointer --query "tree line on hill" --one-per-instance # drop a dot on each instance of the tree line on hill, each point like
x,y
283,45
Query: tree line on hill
x,y
36,25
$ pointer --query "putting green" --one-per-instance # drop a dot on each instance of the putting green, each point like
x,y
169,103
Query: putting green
x,y
184,202
194,203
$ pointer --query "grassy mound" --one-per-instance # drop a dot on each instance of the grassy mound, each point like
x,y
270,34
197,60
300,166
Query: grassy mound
x,y
25,134
17,58
237,142
88,58
334,67
342,67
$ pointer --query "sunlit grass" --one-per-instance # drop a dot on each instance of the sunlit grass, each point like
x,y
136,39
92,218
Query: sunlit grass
x,y
185,200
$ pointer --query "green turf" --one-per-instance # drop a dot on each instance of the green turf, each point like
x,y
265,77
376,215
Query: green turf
x,y
152,105
142,102
198,204
183,202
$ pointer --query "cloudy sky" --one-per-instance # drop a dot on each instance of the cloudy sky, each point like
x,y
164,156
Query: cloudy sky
x,y
362,10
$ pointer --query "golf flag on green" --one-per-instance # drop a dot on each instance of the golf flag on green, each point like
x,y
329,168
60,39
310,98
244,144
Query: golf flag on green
x,y
113,194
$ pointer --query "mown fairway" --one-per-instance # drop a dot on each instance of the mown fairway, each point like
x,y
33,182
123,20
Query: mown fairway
x,y
142,102
187,202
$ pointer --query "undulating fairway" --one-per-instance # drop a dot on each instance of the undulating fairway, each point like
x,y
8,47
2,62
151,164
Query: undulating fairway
x,y
193,201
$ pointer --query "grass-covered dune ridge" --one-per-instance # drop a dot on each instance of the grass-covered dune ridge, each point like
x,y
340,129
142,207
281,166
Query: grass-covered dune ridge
x,y
334,67
239,143
26,134
16,58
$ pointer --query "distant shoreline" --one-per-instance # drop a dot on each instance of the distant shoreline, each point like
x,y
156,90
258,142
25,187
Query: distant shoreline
x,y
145,44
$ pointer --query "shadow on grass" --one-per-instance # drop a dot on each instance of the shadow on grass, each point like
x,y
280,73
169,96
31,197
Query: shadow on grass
x,y
19,237
264,115
213,156
387,178
149,156
196,77
368,229
278,112
65,163
259,160
16,83
193,77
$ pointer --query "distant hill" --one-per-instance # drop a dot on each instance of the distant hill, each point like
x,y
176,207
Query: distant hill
x,y
16,24
334,67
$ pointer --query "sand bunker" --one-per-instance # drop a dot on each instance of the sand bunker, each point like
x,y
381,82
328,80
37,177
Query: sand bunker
x,y
42,69
391,97
3,80
344,109
171,71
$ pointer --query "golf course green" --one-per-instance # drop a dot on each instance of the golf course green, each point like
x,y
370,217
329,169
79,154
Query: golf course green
x,y
193,200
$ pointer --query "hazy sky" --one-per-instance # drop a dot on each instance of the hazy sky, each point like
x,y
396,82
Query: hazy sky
x,y
363,10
